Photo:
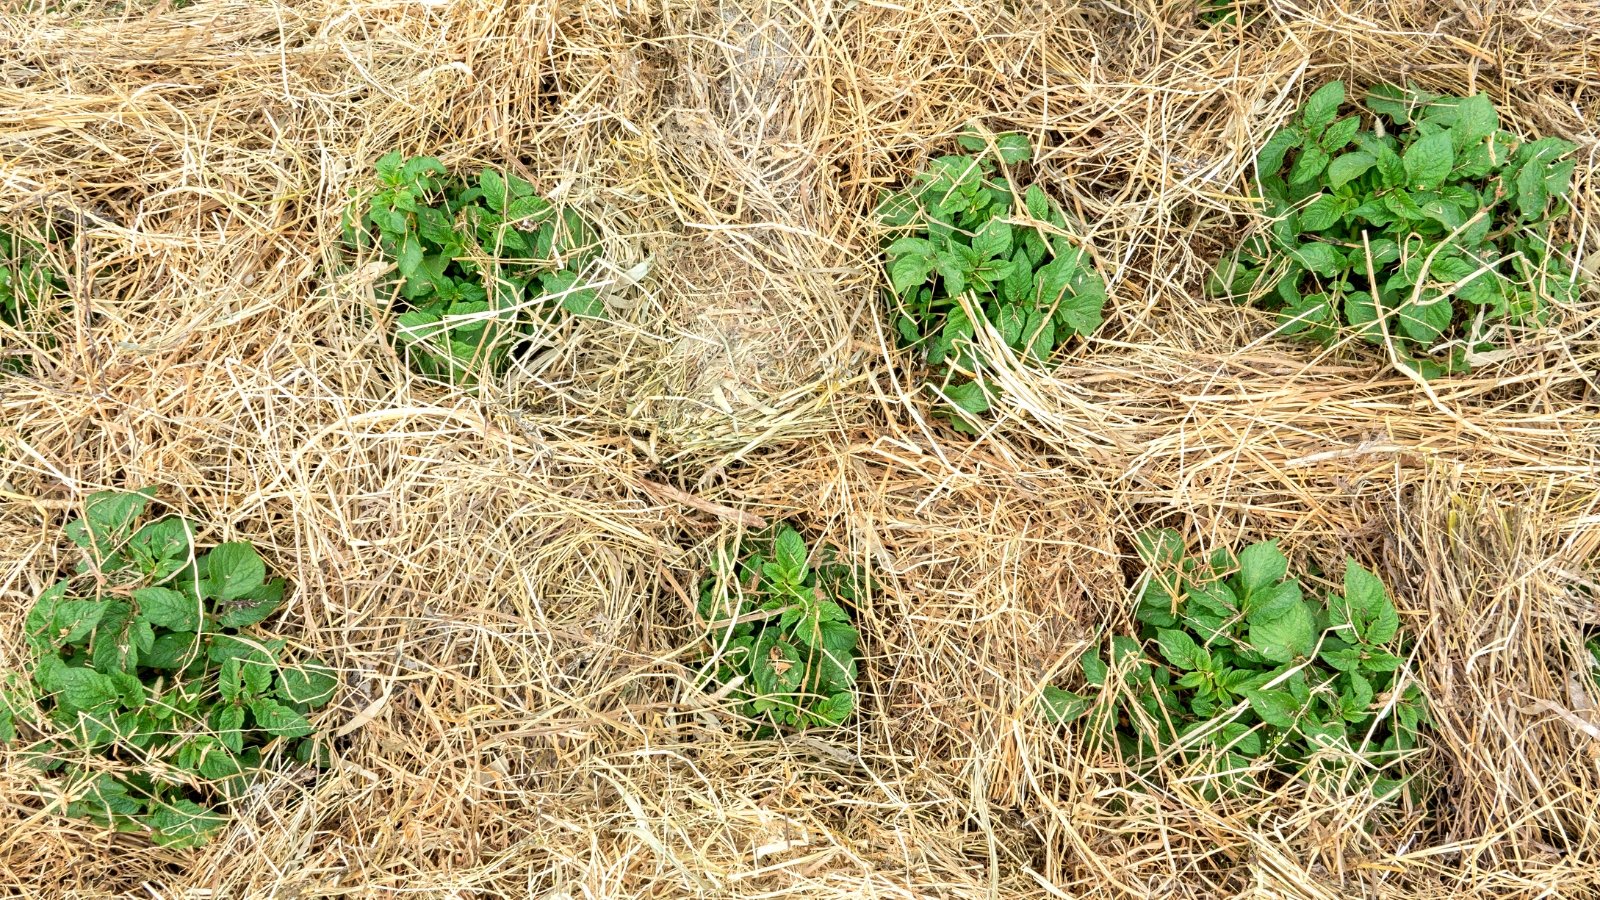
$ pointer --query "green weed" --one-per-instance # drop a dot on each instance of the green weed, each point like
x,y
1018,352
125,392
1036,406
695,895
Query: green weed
x,y
962,232
149,693
781,640
1421,224
1248,674
480,266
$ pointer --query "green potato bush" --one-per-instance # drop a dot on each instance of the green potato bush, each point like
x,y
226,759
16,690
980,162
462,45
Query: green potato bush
x,y
151,696
1417,222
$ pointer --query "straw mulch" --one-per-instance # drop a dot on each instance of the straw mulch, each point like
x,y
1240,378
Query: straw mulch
x,y
506,578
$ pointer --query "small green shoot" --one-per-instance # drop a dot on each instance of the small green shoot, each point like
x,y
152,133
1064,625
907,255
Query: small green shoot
x,y
150,695
782,644
963,244
1418,222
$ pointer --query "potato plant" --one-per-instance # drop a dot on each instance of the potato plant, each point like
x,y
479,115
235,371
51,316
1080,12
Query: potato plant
x,y
151,696
479,265
963,250
1415,222
1236,667
781,641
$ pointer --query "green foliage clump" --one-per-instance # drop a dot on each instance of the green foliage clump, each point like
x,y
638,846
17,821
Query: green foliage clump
x,y
29,284
780,637
480,266
1421,222
1252,675
149,693
962,232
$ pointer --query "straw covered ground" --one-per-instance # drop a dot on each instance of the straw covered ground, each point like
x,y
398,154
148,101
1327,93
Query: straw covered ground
x,y
506,577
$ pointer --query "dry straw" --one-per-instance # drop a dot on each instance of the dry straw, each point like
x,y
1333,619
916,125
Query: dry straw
x,y
507,579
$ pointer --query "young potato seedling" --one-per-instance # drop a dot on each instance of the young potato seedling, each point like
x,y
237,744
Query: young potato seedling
x,y
782,645
962,244
479,266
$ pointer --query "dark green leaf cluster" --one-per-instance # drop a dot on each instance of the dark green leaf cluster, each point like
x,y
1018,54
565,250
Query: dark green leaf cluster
x,y
780,635
1435,229
1247,670
480,265
28,283
148,693
961,232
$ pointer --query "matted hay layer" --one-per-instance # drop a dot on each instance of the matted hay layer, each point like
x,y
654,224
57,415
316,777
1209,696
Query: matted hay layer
x,y
506,580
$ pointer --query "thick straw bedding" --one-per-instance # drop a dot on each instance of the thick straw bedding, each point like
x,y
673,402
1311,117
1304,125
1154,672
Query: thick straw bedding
x,y
506,578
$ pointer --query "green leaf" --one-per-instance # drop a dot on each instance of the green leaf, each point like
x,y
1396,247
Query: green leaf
x,y
1370,611
1362,315
969,396
1094,669
1339,134
1321,213
76,619
1261,565
1040,336
182,823
108,518
1424,322
1353,706
313,682
1309,313
909,271
1348,167
953,269
1323,106
1320,258
1013,148
1476,119
993,240
778,667
1270,159
82,689
1159,548
834,710
1037,202
166,544
277,719
1531,192
1276,708
256,671
229,724
172,650
1310,164
1429,160
1377,661
233,570
1179,648
1288,637
1272,601
167,608
494,189
789,552
1347,659
1059,706
254,607
1395,102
